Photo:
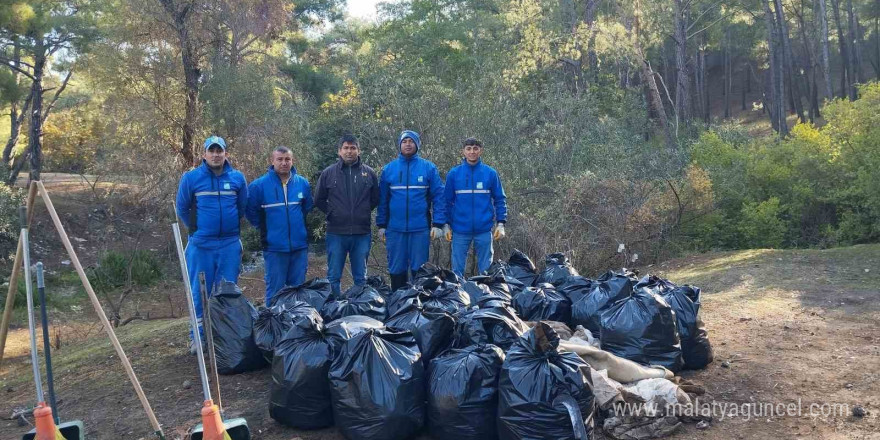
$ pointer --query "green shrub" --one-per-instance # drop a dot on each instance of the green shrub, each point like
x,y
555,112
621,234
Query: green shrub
x,y
10,199
761,225
117,270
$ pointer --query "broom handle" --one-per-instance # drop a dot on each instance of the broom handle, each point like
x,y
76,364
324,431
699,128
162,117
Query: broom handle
x,y
197,337
32,332
209,337
13,278
99,310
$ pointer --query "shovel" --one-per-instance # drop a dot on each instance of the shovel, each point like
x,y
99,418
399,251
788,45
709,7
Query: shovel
x,y
212,426
72,430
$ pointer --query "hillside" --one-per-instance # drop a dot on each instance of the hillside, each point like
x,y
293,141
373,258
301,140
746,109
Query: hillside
x,y
787,326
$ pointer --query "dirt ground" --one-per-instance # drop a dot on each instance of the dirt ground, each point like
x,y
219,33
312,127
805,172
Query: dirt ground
x,y
797,327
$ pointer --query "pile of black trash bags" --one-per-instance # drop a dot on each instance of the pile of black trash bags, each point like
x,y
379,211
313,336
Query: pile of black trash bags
x,y
463,359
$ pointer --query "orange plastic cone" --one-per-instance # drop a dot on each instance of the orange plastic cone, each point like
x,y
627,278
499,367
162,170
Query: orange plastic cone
x,y
45,424
212,423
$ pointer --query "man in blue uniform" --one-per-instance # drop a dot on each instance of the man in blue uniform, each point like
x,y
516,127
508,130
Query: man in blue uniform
x,y
348,192
277,205
211,200
475,202
409,189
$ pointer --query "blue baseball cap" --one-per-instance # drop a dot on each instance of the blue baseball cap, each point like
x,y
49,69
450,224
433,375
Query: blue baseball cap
x,y
215,140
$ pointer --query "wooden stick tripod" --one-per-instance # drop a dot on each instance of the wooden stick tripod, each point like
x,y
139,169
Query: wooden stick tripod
x,y
37,187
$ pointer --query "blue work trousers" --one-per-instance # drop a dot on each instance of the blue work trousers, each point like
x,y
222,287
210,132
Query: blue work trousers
x,y
407,250
461,243
284,269
357,248
219,260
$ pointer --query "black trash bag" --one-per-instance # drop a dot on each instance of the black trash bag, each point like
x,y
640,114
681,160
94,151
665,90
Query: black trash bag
x,y
491,300
495,325
378,282
642,328
586,309
402,296
475,290
557,269
522,268
463,393
314,292
497,266
357,300
695,347
377,384
497,284
450,298
274,322
576,288
431,270
431,328
542,391
542,303
514,285
232,324
300,392
655,284
343,329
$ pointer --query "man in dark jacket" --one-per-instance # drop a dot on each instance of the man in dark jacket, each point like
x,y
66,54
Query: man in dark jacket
x,y
476,207
277,205
409,189
211,200
347,192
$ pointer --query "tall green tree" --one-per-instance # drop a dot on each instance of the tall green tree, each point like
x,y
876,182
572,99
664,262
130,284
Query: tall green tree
x,y
36,31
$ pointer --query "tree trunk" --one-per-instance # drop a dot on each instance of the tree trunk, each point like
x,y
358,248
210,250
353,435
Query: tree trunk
x,y
845,76
682,81
877,45
810,77
858,37
17,165
590,19
15,118
791,66
745,86
652,93
727,71
777,72
826,51
854,67
35,130
191,72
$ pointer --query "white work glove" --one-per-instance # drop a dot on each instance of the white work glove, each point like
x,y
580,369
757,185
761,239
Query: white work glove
x,y
499,232
447,231
436,233
382,234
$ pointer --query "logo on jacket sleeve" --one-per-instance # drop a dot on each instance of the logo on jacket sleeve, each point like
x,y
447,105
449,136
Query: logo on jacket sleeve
x,y
226,185
421,179
479,185
300,195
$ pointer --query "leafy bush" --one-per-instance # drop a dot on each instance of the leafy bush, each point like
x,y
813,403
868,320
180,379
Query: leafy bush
x,y
818,187
10,199
118,270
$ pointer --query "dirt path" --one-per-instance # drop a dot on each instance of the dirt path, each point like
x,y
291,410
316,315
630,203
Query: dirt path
x,y
787,327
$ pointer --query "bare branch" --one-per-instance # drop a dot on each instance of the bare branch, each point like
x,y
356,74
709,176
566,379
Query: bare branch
x,y
706,27
57,94
9,63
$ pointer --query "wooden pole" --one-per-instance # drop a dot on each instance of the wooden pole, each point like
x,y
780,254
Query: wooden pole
x,y
13,277
99,310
